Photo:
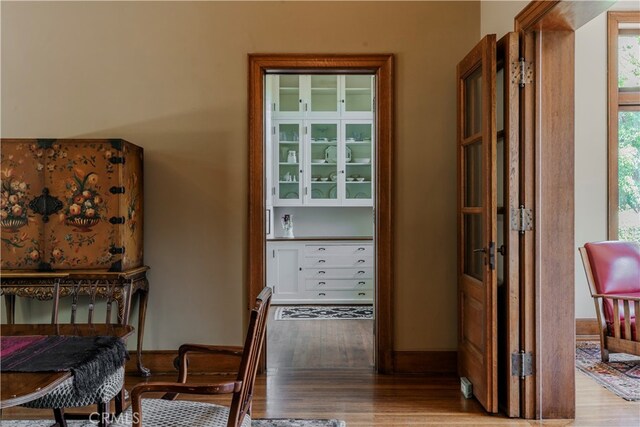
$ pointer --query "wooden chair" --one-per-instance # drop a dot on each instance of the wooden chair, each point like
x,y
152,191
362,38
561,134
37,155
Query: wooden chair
x,y
169,412
112,387
613,274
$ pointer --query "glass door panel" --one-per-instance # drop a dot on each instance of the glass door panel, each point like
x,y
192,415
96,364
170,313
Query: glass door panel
x,y
473,103
358,93
323,157
324,94
289,158
358,155
288,94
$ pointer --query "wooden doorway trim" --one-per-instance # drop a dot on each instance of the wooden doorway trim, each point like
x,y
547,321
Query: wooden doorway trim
x,y
382,66
547,35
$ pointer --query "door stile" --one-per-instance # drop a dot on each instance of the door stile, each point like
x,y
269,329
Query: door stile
x,y
508,56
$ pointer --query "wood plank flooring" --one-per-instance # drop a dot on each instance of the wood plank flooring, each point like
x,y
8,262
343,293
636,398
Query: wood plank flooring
x,y
363,398
319,344
324,377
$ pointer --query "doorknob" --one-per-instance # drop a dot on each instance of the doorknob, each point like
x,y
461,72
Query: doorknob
x,y
502,250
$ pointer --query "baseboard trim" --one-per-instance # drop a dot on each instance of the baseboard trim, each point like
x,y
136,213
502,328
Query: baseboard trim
x,y
587,327
425,362
161,362
404,362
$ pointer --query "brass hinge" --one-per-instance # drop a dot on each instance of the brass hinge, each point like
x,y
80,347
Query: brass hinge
x,y
521,219
521,72
521,364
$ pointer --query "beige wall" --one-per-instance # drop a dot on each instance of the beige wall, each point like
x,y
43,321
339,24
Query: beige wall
x,y
172,78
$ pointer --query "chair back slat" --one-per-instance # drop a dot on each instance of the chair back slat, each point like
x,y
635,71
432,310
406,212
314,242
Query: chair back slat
x,y
241,402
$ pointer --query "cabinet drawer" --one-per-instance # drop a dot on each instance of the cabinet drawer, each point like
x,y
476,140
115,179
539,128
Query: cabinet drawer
x,y
321,250
338,273
338,285
338,261
319,295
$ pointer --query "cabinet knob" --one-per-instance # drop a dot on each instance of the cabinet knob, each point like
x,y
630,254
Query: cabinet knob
x,y
321,294
361,272
361,293
321,261
322,283
321,249
361,249
321,272
360,261
361,283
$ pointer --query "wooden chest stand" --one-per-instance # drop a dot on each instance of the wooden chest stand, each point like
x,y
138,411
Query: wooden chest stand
x,y
95,284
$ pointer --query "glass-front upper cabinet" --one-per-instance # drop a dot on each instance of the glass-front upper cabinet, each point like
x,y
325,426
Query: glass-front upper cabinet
x,y
323,157
287,95
323,100
357,97
288,160
322,96
358,157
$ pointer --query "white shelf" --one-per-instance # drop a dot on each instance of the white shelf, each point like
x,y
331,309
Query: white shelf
x,y
323,164
287,163
358,164
358,182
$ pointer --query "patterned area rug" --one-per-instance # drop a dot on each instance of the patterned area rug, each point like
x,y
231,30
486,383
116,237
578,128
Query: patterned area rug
x,y
320,312
273,422
620,375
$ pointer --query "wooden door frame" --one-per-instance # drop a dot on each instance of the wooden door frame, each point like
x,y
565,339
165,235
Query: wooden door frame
x,y
382,65
547,41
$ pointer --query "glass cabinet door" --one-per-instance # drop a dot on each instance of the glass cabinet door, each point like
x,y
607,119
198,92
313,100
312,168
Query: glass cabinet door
x,y
288,96
288,155
323,95
358,155
324,159
358,95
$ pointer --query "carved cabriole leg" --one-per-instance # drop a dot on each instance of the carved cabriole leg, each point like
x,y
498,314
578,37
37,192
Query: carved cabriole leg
x,y
142,313
10,305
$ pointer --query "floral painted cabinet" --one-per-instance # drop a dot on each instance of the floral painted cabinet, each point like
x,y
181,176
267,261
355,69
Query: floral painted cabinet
x,y
71,204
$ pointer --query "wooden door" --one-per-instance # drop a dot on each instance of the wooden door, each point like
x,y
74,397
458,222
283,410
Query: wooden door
x,y
477,208
508,243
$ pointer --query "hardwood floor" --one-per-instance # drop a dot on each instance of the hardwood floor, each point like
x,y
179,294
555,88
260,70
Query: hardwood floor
x,y
363,398
324,377
319,344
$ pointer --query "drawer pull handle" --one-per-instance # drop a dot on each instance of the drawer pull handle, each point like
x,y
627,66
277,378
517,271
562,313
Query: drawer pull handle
x,y
321,261
361,272
322,283
361,293
321,294
361,249
321,272
361,283
321,249
360,261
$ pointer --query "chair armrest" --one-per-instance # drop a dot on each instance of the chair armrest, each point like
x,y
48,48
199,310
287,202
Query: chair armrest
x,y
181,360
215,349
620,297
173,390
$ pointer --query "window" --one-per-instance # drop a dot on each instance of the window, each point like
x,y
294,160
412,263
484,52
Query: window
x,y
624,125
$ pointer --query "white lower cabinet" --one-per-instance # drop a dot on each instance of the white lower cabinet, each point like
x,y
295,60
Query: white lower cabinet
x,y
309,272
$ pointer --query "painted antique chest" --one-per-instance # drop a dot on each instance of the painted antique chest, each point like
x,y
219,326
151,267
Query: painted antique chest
x,y
71,204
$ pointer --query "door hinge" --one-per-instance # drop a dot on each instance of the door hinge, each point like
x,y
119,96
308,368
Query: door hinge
x,y
273,254
521,219
273,130
273,191
521,364
522,72
305,130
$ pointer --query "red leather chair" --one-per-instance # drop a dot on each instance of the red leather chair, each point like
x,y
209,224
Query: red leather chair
x,y
613,274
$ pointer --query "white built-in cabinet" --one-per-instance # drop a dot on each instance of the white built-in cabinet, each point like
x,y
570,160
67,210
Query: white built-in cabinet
x,y
320,140
320,272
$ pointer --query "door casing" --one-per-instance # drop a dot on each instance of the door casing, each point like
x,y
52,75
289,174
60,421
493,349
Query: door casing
x,y
382,65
